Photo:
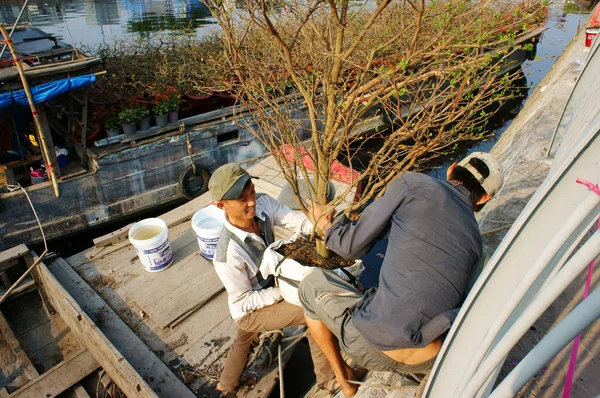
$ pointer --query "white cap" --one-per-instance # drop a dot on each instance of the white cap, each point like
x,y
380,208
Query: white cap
x,y
492,183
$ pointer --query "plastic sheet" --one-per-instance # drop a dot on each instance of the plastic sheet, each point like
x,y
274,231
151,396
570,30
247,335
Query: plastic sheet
x,y
47,91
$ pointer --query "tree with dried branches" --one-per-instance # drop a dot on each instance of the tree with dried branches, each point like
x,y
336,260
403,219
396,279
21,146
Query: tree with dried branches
x,y
324,77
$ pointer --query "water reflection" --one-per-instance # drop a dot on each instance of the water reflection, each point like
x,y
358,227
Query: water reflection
x,y
91,22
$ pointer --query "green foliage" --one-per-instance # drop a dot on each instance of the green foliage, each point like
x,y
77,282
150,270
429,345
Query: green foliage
x,y
162,108
132,115
112,123
173,103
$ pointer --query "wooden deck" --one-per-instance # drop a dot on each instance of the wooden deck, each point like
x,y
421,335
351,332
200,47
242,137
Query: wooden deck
x,y
181,313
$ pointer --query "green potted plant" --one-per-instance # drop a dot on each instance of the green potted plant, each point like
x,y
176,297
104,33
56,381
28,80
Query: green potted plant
x,y
173,103
145,120
128,118
161,113
112,126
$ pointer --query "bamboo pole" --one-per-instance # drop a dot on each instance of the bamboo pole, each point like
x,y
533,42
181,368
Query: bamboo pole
x,y
41,137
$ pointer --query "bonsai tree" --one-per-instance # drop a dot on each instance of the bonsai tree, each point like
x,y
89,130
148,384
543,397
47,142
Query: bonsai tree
x,y
401,82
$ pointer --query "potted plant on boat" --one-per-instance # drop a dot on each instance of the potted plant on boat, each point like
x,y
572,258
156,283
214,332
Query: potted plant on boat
x,y
145,119
161,113
112,126
173,103
128,118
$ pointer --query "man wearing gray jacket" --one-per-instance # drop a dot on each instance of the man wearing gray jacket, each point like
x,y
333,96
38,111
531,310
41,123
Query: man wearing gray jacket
x,y
433,244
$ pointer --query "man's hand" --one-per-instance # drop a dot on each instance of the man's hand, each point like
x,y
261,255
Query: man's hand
x,y
319,218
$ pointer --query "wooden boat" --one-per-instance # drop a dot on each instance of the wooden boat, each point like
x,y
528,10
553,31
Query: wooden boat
x,y
132,174
159,334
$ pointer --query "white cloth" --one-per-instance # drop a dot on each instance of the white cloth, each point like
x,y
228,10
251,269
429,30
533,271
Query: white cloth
x,y
238,272
289,273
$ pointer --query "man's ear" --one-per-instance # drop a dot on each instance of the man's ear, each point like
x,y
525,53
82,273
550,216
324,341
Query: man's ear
x,y
450,170
484,199
220,205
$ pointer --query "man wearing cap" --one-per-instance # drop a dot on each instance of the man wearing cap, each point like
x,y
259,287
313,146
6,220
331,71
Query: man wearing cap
x,y
433,245
254,302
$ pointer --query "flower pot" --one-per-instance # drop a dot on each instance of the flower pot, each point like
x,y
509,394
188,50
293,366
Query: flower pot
x,y
201,99
161,120
113,133
186,109
173,116
145,123
129,128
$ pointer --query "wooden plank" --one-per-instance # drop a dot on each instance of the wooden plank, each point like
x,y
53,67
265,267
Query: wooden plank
x,y
5,279
171,218
111,360
3,392
115,346
80,392
36,277
164,297
25,286
12,254
59,378
14,343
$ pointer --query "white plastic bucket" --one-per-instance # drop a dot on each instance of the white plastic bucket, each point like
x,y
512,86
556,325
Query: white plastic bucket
x,y
207,224
150,237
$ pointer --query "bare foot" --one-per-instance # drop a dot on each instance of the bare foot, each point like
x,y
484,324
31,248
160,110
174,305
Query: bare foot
x,y
357,374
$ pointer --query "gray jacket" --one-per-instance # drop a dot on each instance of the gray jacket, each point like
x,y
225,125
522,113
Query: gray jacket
x,y
434,242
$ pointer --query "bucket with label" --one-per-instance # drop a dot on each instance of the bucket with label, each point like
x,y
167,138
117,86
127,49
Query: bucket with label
x,y
150,237
207,224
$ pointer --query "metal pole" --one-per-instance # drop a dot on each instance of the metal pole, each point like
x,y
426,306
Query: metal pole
x,y
34,111
542,301
563,234
281,389
14,26
562,334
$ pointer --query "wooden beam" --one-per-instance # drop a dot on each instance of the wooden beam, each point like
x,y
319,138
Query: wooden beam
x,y
35,274
59,378
116,347
172,218
12,254
111,360
14,343
80,392
26,286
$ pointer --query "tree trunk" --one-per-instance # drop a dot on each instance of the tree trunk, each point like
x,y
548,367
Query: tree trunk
x,y
322,250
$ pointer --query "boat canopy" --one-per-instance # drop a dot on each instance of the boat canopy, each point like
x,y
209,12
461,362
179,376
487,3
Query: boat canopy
x,y
47,91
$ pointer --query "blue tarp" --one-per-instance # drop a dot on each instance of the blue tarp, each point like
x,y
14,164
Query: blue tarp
x,y
47,91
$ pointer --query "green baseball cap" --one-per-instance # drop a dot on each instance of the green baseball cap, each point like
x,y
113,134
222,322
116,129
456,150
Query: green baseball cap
x,y
228,181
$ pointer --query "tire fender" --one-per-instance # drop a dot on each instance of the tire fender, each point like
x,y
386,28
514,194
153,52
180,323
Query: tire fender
x,y
191,186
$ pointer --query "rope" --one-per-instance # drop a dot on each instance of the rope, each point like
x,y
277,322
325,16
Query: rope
x,y
183,129
573,361
13,188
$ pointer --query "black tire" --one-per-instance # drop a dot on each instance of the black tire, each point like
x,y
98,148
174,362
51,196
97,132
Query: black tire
x,y
191,186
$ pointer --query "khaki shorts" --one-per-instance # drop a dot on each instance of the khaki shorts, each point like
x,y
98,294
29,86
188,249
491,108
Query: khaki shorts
x,y
330,299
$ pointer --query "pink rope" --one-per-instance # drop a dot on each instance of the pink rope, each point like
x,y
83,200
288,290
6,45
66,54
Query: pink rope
x,y
573,361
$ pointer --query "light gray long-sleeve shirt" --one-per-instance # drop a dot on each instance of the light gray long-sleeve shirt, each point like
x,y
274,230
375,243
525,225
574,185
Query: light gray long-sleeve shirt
x,y
239,256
